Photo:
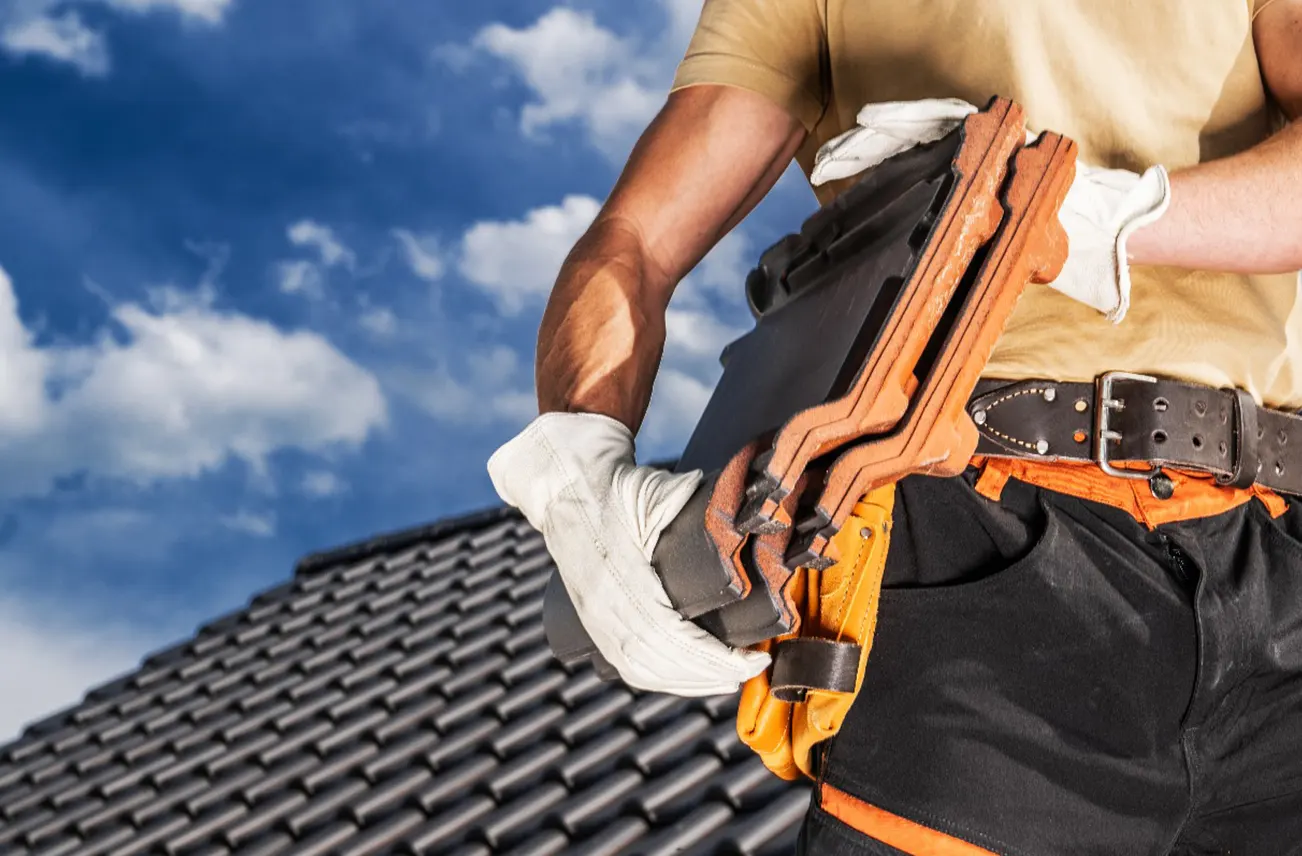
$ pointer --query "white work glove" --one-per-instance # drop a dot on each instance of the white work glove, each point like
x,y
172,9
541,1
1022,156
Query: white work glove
x,y
1102,209
885,130
574,478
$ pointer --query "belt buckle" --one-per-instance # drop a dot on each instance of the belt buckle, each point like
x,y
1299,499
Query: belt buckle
x,y
1104,404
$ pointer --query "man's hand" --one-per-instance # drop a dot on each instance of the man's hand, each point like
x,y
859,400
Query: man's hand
x,y
574,478
1102,210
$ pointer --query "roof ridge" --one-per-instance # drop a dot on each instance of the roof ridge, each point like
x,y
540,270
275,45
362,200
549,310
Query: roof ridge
x,y
401,539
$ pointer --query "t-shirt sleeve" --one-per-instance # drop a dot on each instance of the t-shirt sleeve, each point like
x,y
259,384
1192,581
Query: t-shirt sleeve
x,y
773,47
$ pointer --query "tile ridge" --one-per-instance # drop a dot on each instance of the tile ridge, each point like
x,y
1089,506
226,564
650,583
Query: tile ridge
x,y
397,540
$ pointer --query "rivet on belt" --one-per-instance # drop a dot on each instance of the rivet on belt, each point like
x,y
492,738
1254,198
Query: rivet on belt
x,y
1161,486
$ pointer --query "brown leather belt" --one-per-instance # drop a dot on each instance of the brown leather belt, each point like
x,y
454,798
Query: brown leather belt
x,y
1124,417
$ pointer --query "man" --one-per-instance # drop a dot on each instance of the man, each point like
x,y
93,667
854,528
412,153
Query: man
x,y
1084,662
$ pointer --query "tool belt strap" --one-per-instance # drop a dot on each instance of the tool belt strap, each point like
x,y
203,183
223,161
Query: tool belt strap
x,y
804,664
1124,418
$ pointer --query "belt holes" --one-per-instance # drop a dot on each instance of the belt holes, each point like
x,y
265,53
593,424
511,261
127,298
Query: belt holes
x,y
1197,441
1161,405
1159,437
1080,436
1283,436
1081,405
1222,448
1261,432
1279,468
1200,407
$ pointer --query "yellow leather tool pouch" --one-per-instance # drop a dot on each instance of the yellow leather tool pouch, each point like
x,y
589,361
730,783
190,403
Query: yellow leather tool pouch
x,y
817,670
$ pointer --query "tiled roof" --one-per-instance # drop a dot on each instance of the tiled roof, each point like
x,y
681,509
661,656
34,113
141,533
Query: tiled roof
x,y
395,697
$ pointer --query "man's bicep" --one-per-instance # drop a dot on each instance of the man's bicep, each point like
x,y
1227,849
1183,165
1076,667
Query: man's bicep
x,y
1277,33
705,161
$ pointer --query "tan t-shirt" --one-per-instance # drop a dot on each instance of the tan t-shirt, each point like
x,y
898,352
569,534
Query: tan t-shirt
x,y
1171,82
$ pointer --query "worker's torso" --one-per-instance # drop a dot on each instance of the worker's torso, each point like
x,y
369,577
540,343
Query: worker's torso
x,y
1135,84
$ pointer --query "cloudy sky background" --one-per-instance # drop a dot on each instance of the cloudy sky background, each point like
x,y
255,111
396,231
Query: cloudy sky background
x,y
270,277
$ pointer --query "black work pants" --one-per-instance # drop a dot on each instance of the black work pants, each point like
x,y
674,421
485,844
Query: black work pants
x,y
1051,677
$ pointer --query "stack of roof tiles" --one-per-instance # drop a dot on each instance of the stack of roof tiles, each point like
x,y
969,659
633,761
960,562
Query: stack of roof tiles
x,y
395,697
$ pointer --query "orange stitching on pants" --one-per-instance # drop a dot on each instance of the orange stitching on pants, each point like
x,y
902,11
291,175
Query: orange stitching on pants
x,y
898,832
1196,494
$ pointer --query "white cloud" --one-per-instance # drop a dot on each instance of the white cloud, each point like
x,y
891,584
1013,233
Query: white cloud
x,y
677,402
322,483
311,234
48,660
207,11
181,389
300,277
64,39
23,371
50,29
459,58
379,321
422,253
516,262
724,268
707,313
582,72
490,387
695,334
249,523
682,15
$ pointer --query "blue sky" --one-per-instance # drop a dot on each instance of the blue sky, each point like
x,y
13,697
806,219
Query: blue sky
x,y
272,273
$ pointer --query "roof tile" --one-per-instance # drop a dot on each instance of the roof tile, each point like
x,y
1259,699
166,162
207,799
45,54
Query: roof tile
x,y
524,769
326,804
455,781
261,817
582,808
199,828
526,730
444,829
383,836
389,793
517,818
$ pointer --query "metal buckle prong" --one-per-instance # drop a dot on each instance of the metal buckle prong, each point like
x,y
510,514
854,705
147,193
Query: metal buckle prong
x,y
1105,403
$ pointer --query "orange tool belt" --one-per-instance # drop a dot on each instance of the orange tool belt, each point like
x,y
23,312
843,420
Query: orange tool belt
x,y
840,602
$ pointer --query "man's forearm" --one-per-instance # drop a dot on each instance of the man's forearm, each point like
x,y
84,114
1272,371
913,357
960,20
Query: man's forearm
x,y
603,331
1241,214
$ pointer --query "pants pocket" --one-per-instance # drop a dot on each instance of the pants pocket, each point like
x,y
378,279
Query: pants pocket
x,y
946,537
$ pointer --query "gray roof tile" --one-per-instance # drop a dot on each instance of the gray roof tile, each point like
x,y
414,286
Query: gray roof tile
x,y
395,696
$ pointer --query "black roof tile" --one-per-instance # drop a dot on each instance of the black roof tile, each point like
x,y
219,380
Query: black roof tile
x,y
394,697
262,817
